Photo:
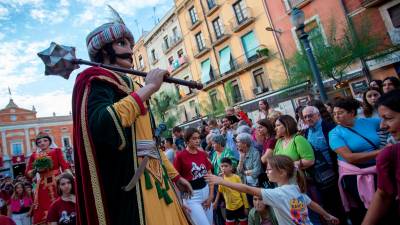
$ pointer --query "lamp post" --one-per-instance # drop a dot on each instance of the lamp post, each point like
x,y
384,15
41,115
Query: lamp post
x,y
297,18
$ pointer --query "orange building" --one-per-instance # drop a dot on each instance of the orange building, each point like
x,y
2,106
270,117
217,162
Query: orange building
x,y
18,129
320,15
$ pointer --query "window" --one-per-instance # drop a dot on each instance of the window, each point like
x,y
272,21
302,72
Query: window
x,y
200,41
171,60
153,55
258,78
218,28
186,89
193,15
237,97
250,45
16,148
206,71
141,62
391,17
192,106
175,32
214,99
184,116
66,142
315,35
13,118
225,60
166,44
394,14
290,4
180,53
240,12
211,4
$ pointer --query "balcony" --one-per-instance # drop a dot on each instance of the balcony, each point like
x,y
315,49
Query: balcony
x,y
192,25
201,50
178,65
372,3
239,65
171,43
212,6
221,37
239,22
290,4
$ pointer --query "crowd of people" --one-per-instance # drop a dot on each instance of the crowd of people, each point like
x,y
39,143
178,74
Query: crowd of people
x,y
334,163
45,194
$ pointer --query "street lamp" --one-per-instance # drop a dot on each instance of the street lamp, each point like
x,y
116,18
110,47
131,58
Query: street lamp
x,y
297,18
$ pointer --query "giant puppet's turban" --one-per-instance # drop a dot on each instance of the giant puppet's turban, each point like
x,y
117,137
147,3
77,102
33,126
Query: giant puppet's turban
x,y
107,33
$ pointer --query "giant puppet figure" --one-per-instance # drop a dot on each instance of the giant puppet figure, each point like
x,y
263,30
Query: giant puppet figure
x,y
48,163
113,137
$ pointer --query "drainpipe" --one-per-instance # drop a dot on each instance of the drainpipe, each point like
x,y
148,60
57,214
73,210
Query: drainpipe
x,y
278,44
364,66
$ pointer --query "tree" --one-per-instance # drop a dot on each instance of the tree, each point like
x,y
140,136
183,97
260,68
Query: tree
x,y
162,103
334,56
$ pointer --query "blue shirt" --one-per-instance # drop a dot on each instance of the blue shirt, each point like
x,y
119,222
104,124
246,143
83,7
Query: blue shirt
x,y
230,142
341,136
317,140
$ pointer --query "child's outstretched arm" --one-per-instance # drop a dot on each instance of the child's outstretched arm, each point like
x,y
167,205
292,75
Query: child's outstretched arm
x,y
328,217
236,186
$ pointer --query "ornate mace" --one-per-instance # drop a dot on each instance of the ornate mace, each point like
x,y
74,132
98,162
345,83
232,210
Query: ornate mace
x,y
61,60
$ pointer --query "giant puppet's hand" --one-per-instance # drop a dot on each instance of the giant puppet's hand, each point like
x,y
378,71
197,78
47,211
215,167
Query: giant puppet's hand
x,y
184,187
155,78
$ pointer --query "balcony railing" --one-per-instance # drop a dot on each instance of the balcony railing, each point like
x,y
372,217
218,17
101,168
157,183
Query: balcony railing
x,y
192,25
201,50
241,20
177,64
171,43
372,3
290,4
212,6
218,38
238,65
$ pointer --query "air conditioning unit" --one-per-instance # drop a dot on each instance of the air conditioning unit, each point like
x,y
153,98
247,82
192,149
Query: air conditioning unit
x,y
258,90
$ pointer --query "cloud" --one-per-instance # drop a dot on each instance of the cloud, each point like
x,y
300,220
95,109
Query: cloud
x,y
2,35
58,102
52,16
94,8
19,64
3,13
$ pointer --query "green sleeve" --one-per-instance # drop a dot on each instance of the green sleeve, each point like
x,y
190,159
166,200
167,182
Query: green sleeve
x,y
304,148
105,128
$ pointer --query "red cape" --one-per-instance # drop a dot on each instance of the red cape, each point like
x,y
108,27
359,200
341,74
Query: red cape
x,y
91,207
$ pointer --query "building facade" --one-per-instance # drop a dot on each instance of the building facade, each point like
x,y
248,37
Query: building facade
x,y
166,50
321,15
18,130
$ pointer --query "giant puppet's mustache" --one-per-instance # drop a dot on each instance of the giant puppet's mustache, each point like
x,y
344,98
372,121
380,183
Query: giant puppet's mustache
x,y
125,56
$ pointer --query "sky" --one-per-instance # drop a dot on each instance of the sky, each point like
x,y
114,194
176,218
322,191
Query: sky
x,y
29,26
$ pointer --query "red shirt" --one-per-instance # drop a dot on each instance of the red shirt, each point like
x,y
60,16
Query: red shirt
x,y
192,166
388,168
62,212
5,220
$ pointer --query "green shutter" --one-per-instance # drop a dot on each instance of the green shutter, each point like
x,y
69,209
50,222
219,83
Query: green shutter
x,y
225,60
205,71
250,44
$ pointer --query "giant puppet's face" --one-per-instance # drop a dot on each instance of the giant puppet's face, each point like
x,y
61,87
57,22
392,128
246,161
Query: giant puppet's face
x,y
123,47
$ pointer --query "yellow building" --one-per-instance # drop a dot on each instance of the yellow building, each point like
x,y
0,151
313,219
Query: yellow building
x,y
229,50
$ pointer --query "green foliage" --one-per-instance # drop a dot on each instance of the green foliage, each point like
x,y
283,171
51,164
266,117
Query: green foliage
x,y
228,88
161,103
213,111
263,51
43,163
335,57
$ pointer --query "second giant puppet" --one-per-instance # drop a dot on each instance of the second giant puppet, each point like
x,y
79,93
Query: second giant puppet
x,y
112,136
